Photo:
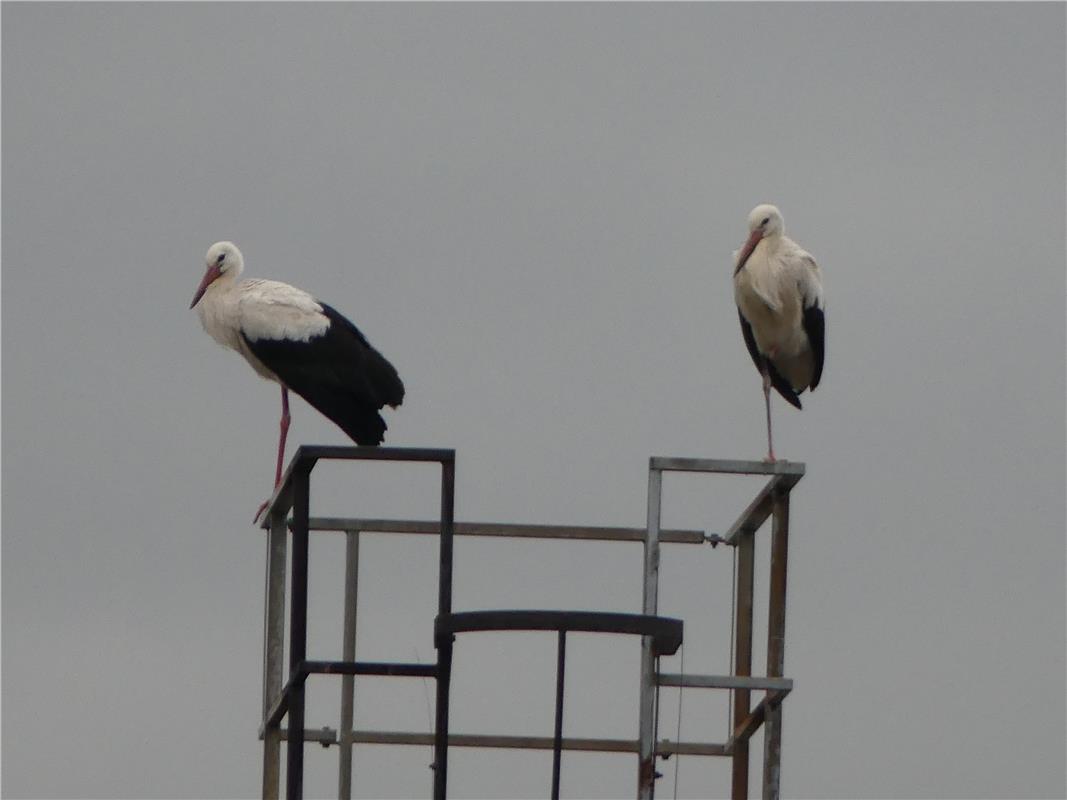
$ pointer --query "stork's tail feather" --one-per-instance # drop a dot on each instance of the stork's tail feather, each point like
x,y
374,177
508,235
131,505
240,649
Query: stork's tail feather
x,y
360,420
382,376
364,428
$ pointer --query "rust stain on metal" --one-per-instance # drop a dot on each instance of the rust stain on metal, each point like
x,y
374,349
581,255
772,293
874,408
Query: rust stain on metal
x,y
646,773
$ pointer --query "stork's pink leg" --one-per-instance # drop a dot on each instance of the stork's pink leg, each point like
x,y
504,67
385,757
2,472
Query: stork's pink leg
x,y
767,400
281,440
284,425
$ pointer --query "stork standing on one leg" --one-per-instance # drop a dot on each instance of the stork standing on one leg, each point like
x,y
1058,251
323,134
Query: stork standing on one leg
x,y
778,290
304,345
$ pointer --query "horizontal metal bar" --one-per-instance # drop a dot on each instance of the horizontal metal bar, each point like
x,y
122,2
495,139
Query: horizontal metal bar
x,y
724,682
307,454
324,736
667,748
533,743
369,668
668,464
281,706
666,632
314,452
506,529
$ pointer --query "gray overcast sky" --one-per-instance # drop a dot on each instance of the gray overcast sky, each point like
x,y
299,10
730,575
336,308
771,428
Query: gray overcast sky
x,y
531,209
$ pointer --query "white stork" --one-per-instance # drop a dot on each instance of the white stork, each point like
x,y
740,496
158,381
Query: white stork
x,y
291,338
778,290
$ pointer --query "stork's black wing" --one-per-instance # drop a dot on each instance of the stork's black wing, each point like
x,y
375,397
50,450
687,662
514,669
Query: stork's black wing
x,y
339,373
782,385
815,327
750,341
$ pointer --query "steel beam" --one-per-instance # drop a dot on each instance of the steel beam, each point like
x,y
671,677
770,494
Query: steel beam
x,y
325,736
742,657
664,747
755,514
444,644
348,653
744,730
646,720
772,737
391,669
307,455
298,610
505,530
557,739
723,682
665,632
273,647
728,466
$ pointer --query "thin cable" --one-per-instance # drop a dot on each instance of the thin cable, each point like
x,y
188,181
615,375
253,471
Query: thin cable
x,y
426,694
655,728
678,734
733,624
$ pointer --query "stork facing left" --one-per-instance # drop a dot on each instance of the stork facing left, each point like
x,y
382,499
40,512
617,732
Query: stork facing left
x,y
779,295
300,343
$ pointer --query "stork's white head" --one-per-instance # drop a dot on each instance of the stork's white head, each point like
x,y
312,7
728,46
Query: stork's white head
x,y
222,259
764,221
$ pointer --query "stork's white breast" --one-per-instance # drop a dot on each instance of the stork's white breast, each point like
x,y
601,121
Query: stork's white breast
x,y
768,296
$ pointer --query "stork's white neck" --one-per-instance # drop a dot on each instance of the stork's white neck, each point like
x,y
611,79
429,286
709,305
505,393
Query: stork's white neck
x,y
217,311
223,283
772,240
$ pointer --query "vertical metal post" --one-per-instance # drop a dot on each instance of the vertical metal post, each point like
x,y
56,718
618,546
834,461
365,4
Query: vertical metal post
x,y
557,740
298,609
746,546
772,732
448,490
646,725
444,647
273,649
348,653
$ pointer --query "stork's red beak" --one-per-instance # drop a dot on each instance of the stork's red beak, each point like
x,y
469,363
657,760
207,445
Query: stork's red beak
x,y
209,278
746,251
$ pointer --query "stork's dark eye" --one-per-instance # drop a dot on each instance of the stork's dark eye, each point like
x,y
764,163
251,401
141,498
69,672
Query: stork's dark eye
x,y
765,220
220,259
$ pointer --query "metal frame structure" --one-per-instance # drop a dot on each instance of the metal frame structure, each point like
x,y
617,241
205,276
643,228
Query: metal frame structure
x,y
771,501
278,701
660,636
